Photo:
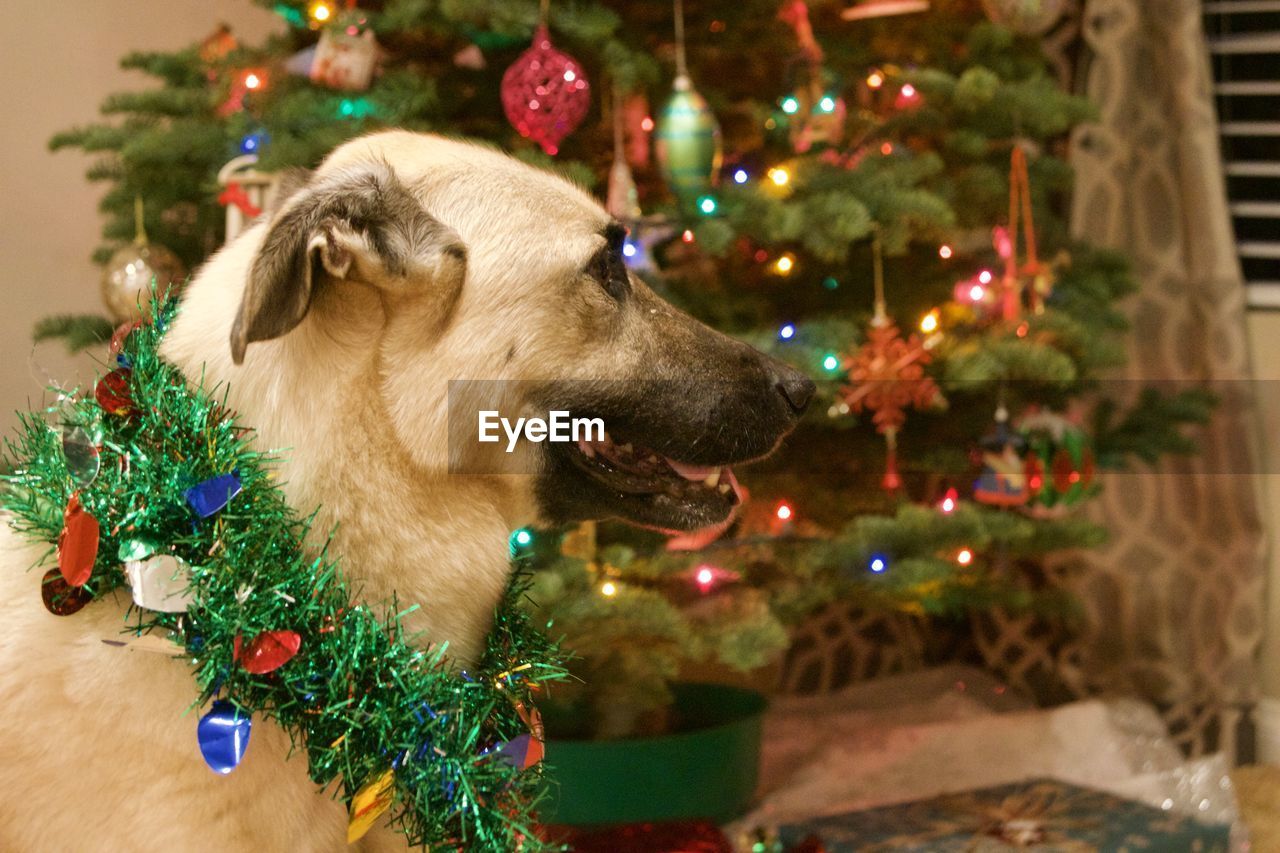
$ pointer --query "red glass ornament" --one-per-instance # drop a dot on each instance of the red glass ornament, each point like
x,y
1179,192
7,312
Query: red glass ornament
x,y
269,651
121,334
78,543
545,94
61,598
112,393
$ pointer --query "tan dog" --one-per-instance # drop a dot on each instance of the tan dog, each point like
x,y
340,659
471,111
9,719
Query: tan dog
x,y
404,262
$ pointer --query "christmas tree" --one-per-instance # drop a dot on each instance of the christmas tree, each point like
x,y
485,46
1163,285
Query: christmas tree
x,y
874,198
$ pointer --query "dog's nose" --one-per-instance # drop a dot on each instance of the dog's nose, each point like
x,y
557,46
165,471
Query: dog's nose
x,y
796,388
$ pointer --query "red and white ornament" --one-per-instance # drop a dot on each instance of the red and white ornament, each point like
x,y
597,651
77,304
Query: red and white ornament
x,y
345,59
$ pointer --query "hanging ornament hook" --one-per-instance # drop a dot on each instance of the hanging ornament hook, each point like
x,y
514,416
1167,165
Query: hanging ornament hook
x,y
881,314
682,81
139,222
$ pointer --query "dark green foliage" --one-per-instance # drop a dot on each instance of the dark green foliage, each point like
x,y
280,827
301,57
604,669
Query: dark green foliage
x,y
77,331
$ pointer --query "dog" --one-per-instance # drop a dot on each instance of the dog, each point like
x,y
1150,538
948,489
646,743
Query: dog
x,y
337,322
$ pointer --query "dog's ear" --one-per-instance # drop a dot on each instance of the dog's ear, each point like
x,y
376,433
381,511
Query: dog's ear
x,y
360,225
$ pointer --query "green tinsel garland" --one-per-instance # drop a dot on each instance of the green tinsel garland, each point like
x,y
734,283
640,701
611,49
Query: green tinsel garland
x,y
359,695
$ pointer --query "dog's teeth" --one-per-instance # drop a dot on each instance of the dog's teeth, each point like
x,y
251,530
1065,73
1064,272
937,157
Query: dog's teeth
x,y
713,479
724,488
626,448
587,450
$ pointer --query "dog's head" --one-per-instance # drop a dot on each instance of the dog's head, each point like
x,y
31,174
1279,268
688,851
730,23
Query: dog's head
x,y
456,262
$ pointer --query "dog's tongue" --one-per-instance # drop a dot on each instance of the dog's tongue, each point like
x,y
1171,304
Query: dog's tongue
x,y
697,473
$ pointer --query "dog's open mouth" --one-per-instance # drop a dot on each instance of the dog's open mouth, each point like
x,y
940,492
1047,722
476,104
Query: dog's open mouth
x,y
633,469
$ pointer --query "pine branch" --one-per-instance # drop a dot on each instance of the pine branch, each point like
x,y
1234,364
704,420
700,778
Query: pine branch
x,y
77,331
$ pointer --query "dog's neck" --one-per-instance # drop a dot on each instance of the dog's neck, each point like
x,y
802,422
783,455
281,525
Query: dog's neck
x,y
435,541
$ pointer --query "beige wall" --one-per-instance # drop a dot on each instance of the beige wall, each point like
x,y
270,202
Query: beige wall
x,y
1264,335
59,59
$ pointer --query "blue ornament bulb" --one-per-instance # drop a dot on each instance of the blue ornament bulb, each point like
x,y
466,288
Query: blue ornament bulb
x,y
223,734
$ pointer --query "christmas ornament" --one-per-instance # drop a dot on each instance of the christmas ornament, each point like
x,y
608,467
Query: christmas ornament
x,y
1032,281
210,496
77,544
813,114
223,736
252,574
237,195
134,269
545,93
245,192
622,200
269,651
370,803
1028,17
1059,460
215,48
112,393
160,583
1003,480
80,455
61,598
638,126
865,9
687,139
887,375
345,59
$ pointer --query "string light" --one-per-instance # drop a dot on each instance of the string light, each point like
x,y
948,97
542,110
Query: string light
x,y
875,80
783,512
707,204
687,236
787,332
785,264
908,91
965,557
646,124
320,12
740,176
779,176
985,276
948,504
629,249
830,283
977,292
608,589
827,104
522,537
944,252
929,322
253,142
877,564
886,149
831,362
252,81
790,105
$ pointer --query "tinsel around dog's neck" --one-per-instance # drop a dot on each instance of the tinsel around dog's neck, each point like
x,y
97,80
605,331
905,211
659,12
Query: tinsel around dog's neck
x,y
150,483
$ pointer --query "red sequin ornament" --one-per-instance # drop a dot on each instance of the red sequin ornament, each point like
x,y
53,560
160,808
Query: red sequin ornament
x,y
112,393
78,543
61,598
268,651
545,94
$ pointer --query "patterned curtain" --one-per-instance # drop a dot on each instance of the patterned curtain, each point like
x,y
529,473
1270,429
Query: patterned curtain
x,y
1174,603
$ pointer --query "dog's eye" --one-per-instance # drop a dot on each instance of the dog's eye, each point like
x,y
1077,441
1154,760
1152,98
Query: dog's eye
x,y
607,268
